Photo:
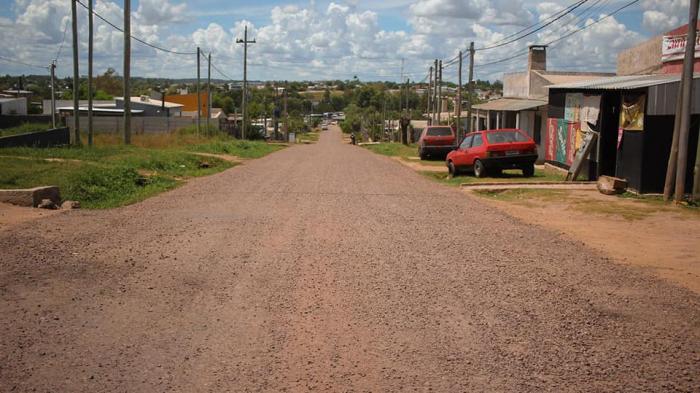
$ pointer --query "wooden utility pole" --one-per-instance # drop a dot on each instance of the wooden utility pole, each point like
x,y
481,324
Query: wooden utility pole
x,y
244,96
76,76
52,67
90,51
430,96
435,94
459,100
470,88
199,92
669,185
127,72
688,63
285,114
440,93
208,91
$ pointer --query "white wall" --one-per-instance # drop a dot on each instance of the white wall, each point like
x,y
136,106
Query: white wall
x,y
14,106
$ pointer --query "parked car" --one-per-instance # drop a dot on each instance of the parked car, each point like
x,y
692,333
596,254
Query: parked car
x,y
436,141
494,150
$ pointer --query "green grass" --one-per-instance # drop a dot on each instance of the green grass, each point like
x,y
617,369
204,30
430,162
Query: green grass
x,y
394,149
508,176
116,175
25,128
309,136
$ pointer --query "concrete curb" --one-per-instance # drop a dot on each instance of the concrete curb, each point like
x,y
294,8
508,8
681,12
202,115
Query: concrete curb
x,y
31,197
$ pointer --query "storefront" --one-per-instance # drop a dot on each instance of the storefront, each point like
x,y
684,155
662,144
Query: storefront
x,y
634,118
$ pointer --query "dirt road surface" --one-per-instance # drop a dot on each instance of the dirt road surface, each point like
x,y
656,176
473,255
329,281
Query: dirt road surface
x,y
327,268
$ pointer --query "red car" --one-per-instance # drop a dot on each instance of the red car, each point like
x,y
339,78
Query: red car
x,y
495,150
436,141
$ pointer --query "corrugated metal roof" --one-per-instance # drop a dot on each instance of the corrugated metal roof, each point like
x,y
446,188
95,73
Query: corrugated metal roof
x,y
627,82
510,104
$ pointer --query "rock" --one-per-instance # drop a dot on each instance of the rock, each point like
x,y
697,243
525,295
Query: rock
x,y
30,197
609,185
70,205
47,204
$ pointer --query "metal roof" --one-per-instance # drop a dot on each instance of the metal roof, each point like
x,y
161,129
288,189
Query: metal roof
x,y
510,104
627,82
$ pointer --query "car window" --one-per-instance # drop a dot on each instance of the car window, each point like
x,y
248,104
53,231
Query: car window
x,y
478,141
439,131
466,142
505,137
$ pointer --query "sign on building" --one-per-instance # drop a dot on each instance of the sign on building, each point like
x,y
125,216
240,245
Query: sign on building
x,y
673,47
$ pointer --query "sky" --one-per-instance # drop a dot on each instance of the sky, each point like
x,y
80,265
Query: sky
x,y
318,40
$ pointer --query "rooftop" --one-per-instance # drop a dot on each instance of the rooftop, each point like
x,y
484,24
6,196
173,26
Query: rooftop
x,y
510,104
627,82
150,101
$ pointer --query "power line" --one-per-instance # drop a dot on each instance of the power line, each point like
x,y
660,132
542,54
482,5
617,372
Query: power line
x,y
63,41
135,38
9,60
565,36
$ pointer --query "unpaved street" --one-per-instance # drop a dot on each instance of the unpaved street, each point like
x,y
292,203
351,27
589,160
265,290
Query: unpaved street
x,y
326,267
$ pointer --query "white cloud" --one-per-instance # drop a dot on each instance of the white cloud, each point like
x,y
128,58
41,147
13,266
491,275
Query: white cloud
x,y
663,15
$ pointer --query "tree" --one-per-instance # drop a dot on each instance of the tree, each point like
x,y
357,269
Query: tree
x,y
109,83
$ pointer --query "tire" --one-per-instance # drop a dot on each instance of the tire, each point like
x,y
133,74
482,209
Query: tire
x,y
422,154
529,171
452,169
479,169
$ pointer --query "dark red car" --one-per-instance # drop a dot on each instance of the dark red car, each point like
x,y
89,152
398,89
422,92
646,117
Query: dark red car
x,y
436,141
494,150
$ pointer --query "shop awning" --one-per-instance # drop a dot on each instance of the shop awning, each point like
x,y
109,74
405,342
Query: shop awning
x,y
510,105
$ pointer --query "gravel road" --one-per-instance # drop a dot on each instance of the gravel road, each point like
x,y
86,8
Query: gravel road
x,y
325,267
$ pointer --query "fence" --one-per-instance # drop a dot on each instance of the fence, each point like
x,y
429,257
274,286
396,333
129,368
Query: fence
x,y
54,137
8,121
139,124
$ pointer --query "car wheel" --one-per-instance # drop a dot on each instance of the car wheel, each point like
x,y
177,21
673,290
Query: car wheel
x,y
529,170
422,154
479,169
452,169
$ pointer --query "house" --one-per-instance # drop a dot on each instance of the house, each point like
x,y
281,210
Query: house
x,y
46,104
13,106
525,95
151,107
634,117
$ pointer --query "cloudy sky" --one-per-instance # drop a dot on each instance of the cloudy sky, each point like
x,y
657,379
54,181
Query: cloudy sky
x,y
340,39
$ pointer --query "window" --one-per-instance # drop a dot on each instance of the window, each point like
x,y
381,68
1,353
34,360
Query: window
x,y
478,140
506,137
466,142
439,131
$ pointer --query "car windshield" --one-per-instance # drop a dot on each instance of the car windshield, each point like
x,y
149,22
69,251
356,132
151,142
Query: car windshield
x,y
505,137
439,131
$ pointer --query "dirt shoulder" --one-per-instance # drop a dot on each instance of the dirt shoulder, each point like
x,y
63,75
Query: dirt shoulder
x,y
661,239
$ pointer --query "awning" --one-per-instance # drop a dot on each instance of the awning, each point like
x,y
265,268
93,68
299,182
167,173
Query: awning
x,y
509,104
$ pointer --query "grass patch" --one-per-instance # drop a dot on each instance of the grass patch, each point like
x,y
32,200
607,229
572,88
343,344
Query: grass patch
x,y
109,174
394,149
524,194
25,128
312,136
508,176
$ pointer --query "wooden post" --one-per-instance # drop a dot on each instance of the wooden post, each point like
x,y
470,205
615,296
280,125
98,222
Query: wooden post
x,y
471,88
90,52
688,63
669,185
199,93
459,100
208,91
127,72
440,93
435,95
430,96
53,93
76,76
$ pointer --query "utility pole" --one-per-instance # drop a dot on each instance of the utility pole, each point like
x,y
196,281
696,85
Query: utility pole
x,y
76,76
90,51
199,93
401,88
435,95
430,96
208,91
52,67
244,97
440,94
669,185
471,87
127,72
459,100
285,114
687,100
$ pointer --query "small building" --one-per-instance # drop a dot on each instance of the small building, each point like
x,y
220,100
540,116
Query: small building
x,y
151,107
189,103
13,106
634,117
46,104
525,95
18,93
662,54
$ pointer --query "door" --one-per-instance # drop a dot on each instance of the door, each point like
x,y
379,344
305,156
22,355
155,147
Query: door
x,y
459,157
476,149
